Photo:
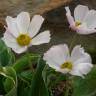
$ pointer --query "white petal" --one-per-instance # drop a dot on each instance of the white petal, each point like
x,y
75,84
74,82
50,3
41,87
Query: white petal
x,y
64,71
9,39
43,37
69,17
11,42
15,47
76,73
9,36
56,56
79,56
90,19
12,26
18,49
84,30
35,25
23,21
81,69
80,12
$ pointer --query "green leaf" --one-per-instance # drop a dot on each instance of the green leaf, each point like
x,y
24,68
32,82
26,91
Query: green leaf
x,y
86,86
24,91
23,88
6,56
26,76
50,75
24,62
23,69
10,83
38,87
2,91
24,79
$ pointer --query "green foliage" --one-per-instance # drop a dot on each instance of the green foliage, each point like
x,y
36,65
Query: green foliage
x,y
21,78
38,87
50,75
8,78
10,82
86,86
25,62
24,83
6,56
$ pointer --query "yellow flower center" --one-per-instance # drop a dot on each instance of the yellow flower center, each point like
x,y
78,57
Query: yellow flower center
x,y
67,65
77,23
23,40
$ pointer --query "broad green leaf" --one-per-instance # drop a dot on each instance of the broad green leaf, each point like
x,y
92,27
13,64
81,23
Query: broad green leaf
x,y
24,91
50,75
26,76
24,83
23,69
38,87
6,56
25,62
86,86
10,83
2,91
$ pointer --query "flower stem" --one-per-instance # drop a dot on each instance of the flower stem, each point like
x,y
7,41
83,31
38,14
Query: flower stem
x,y
67,85
73,41
67,91
29,61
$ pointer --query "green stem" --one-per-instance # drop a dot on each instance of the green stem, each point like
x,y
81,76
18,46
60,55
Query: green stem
x,y
29,61
69,81
67,91
73,41
67,86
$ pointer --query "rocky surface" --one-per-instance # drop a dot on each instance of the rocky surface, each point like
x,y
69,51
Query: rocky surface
x,y
55,20
13,7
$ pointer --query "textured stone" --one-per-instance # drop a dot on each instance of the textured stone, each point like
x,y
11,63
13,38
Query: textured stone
x,y
55,20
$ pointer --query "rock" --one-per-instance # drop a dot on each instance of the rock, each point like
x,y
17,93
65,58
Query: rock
x,y
55,20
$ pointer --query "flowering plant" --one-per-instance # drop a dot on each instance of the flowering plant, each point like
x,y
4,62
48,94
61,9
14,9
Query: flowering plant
x,y
67,66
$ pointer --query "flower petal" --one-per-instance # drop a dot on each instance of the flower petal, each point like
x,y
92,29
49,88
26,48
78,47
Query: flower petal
x,y
69,17
18,49
9,39
76,73
11,42
35,25
43,37
79,56
23,21
81,69
80,12
56,56
12,26
64,71
90,19
83,29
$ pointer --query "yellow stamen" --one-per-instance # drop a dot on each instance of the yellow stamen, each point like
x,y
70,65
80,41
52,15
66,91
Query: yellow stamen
x,y
23,40
67,65
77,23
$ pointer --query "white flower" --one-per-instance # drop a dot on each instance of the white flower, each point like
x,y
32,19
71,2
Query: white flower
x,y
84,20
77,63
21,33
